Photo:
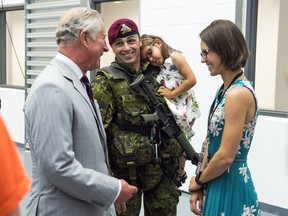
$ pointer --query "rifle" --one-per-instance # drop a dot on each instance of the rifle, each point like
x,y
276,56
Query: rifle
x,y
163,117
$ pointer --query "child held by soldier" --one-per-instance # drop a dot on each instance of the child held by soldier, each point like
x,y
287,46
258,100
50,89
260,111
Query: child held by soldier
x,y
176,79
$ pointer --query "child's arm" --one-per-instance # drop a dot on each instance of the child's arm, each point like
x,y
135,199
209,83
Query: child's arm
x,y
185,70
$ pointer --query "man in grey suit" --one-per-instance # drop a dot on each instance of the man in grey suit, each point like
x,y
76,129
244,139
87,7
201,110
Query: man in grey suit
x,y
64,128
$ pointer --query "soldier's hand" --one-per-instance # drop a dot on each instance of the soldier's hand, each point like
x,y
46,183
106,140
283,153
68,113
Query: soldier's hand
x,y
126,192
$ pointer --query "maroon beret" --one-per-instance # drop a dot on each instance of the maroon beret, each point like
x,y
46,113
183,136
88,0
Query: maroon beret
x,y
121,28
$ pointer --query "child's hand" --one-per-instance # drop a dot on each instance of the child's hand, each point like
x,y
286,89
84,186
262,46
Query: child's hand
x,y
165,92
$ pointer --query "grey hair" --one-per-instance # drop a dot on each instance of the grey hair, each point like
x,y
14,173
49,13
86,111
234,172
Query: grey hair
x,y
76,20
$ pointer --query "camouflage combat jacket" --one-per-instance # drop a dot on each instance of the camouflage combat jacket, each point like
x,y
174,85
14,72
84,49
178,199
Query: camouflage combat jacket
x,y
131,151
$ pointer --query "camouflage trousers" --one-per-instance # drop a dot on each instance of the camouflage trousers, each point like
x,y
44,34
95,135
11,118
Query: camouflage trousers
x,y
159,201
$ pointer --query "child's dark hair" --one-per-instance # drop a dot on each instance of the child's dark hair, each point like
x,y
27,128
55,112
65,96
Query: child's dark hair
x,y
148,40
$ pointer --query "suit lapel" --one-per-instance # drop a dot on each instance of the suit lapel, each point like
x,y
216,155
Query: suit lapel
x,y
71,76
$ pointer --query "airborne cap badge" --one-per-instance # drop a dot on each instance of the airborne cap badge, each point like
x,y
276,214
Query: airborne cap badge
x,y
125,29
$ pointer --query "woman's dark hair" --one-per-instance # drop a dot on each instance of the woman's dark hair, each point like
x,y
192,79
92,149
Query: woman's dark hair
x,y
225,38
148,40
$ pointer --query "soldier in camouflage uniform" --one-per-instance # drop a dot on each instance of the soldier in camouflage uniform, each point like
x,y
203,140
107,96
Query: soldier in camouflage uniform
x,y
139,152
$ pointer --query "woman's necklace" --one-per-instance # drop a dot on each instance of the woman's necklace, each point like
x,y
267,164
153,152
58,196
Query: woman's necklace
x,y
220,96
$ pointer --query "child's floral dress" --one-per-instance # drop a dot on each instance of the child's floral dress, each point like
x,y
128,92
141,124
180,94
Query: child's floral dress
x,y
184,108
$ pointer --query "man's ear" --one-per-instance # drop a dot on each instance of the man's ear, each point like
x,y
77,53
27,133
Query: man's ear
x,y
140,41
83,36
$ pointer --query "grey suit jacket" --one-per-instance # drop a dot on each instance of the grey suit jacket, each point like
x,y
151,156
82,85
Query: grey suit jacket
x,y
68,148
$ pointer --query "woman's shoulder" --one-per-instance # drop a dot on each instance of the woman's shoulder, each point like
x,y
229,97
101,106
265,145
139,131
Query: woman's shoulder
x,y
239,84
241,90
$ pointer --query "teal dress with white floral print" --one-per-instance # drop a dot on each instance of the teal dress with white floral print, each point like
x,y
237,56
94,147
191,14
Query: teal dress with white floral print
x,y
232,193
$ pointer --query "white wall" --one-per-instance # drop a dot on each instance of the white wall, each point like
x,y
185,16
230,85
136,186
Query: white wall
x,y
268,160
12,101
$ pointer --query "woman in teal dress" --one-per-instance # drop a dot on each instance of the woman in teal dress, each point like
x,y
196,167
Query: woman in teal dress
x,y
223,185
